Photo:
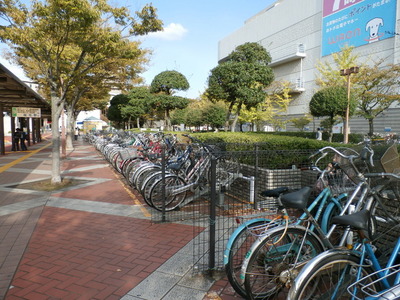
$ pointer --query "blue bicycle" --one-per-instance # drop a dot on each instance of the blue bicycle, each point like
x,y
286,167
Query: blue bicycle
x,y
347,274
327,204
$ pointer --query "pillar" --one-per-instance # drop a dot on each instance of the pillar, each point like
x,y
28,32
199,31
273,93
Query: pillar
x,y
2,145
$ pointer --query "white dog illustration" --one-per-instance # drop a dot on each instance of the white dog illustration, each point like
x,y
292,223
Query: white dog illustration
x,y
373,28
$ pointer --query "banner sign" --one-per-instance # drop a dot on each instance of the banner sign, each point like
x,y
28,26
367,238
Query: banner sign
x,y
356,23
26,112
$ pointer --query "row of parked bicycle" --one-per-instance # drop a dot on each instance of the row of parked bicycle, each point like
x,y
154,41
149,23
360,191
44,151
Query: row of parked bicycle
x,y
339,248
167,175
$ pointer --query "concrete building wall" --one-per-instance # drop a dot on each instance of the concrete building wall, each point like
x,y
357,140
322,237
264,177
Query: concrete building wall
x,y
291,30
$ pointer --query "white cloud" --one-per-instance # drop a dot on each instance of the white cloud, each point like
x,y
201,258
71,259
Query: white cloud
x,y
172,32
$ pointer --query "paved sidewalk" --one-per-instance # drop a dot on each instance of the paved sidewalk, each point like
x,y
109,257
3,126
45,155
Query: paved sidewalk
x,y
94,240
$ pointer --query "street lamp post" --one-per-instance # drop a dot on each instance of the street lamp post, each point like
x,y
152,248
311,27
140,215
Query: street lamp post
x,y
347,72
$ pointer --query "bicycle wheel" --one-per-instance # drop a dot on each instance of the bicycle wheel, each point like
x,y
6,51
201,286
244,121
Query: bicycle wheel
x,y
276,260
173,197
138,174
227,168
238,245
148,183
329,277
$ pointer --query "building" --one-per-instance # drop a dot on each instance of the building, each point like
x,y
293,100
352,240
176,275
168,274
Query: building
x,y
299,33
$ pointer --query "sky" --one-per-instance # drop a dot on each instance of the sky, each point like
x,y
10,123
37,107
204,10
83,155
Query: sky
x,y
189,42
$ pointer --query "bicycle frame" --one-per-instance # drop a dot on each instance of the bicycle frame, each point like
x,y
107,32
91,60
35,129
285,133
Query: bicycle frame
x,y
367,252
320,200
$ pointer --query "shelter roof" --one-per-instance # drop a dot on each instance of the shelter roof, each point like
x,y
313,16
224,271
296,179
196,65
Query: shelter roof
x,y
15,93
91,119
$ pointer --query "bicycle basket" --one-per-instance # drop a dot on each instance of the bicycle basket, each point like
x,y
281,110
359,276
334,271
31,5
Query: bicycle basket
x,y
366,286
389,162
338,182
351,168
128,152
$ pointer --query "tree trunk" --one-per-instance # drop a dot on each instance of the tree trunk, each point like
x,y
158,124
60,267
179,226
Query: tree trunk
x,y
228,116
236,118
371,127
138,123
70,128
56,108
167,120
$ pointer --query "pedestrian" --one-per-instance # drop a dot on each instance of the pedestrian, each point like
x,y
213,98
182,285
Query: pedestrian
x,y
16,138
23,137
319,134
76,133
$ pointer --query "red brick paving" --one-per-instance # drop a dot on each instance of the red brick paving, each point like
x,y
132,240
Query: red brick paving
x,y
56,253
110,191
82,255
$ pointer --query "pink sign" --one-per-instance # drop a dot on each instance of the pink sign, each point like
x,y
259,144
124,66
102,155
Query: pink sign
x,y
333,6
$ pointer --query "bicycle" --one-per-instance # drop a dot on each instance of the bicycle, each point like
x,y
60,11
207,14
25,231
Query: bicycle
x,y
327,204
337,273
274,261
352,264
366,285
170,191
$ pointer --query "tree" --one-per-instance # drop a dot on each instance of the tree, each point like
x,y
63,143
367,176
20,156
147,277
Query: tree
x,y
301,122
138,106
178,116
329,74
214,115
165,85
331,102
241,79
375,86
377,91
90,94
275,104
194,118
114,112
65,40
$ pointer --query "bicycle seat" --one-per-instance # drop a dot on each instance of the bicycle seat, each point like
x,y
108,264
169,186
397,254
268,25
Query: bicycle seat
x,y
275,193
297,199
176,166
358,220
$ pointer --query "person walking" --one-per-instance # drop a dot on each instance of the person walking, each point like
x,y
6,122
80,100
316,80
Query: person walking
x,y
16,139
76,133
319,134
23,137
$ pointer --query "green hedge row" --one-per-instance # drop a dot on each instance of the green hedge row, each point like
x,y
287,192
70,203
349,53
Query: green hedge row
x,y
354,138
248,140
284,149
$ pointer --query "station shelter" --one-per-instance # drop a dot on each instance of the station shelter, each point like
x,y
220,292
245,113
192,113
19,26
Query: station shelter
x,y
18,100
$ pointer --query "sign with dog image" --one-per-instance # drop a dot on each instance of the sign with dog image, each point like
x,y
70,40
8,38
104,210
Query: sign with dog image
x,y
356,23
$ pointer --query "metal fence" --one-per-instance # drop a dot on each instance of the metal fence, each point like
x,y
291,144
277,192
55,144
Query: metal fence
x,y
231,191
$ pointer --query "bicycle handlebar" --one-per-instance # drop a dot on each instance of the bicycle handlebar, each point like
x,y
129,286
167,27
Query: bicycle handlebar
x,y
205,146
322,151
382,174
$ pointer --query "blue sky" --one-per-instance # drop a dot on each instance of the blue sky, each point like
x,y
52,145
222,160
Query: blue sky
x,y
189,42
192,29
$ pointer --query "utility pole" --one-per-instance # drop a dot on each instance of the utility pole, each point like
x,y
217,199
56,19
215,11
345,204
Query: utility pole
x,y
347,72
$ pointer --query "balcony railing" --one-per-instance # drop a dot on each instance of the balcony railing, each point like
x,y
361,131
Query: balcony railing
x,y
287,54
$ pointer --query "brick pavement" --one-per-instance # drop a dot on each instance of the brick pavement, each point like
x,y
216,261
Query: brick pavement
x,y
90,241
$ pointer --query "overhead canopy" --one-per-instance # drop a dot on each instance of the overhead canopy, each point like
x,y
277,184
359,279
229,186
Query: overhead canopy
x,y
16,93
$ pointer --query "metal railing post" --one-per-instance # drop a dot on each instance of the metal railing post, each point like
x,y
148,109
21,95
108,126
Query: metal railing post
x,y
256,166
163,193
213,207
